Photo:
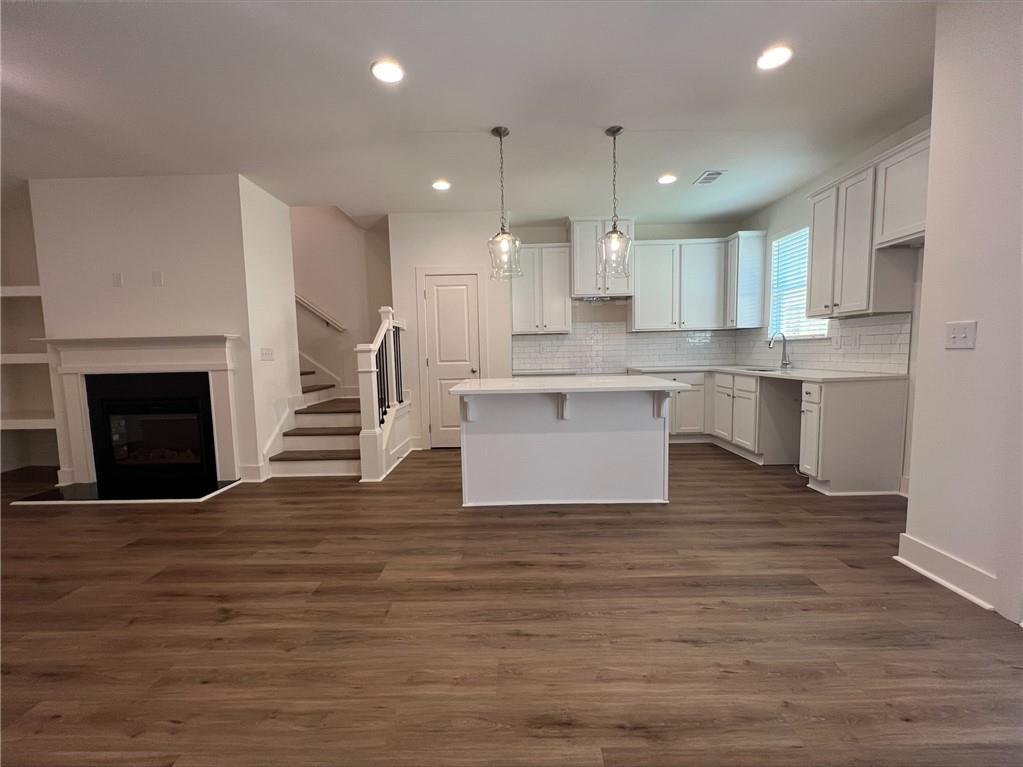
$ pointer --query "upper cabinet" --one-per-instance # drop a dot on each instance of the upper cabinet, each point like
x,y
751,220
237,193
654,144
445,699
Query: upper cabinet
x,y
744,280
705,284
851,271
901,197
586,283
540,297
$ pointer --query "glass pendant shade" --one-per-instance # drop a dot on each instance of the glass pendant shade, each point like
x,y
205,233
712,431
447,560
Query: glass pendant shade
x,y
504,256
614,251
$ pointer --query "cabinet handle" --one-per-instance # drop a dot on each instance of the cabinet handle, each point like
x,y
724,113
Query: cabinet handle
x,y
545,324
827,306
836,304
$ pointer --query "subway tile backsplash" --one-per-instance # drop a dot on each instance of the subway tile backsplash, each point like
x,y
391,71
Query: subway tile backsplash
x,y
879,344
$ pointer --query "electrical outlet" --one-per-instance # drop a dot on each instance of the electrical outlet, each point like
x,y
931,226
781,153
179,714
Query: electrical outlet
x,y
851,342
266,354
836,341
961,335
118,279
157,279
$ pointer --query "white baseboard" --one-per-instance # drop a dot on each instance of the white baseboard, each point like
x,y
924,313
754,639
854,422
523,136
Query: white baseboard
x,y
824,489
587,501
966,580
254,472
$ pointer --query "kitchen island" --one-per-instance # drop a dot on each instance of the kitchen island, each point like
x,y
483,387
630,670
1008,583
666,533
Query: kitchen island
x,y
565,439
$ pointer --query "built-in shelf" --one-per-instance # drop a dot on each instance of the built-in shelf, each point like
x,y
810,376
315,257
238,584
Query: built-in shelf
x,y
20,291
27,419
24,358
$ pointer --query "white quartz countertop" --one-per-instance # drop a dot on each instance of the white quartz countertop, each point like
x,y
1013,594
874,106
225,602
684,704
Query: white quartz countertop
x,y
565,385
796,374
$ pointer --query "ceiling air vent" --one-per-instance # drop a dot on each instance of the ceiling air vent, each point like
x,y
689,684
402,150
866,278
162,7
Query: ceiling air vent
x,y
709,177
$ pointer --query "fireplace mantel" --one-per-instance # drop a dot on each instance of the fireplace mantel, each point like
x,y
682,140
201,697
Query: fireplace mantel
x,y
74,358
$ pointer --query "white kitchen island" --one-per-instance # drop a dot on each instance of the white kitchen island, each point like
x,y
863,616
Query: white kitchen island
x,y
565,439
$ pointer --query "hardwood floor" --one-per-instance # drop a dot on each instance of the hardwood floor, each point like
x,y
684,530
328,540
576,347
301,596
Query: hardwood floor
x,y
750,623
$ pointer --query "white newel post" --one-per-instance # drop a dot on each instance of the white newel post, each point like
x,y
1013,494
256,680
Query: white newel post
x,y
370,453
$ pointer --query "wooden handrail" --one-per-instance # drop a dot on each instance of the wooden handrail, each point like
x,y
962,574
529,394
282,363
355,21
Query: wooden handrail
x,y
305,303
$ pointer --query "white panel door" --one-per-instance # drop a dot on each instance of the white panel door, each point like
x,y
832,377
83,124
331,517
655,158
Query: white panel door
x,y
809,438
687,411
656,281
855,245
525,293
744,419
620,286
452,348
703,285
821,267
723,413
584,259
731,281
555,296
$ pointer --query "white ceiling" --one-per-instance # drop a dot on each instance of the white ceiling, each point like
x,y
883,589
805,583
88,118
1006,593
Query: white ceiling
x,y
281,92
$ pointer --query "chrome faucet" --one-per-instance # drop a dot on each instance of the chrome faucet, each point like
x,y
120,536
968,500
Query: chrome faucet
x,y
785,361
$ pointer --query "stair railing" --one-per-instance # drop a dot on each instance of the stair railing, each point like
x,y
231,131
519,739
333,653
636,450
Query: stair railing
x,y
380,390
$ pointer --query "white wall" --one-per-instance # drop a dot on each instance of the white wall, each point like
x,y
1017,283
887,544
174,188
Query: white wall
x,y
270,297
190,228
966,500
448,240
344,270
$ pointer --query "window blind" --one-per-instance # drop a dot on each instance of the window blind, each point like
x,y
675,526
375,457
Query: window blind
x,y
789,263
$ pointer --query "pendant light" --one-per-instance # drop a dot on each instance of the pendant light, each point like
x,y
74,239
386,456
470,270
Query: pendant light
x,y
615,247
504,246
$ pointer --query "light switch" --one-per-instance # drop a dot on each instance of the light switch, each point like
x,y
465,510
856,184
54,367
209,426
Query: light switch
x,y
961,335
118,280
266,354
157,279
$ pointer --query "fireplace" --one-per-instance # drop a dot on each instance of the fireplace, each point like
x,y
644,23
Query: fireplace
x,y
152,435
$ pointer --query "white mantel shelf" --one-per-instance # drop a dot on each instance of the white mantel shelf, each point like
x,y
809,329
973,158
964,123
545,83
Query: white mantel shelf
x,y
565,385
217,338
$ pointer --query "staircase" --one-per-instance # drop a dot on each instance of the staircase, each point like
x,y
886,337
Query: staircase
x,y
325,438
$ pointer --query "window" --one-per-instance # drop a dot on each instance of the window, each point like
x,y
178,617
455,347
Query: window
x,y
789,262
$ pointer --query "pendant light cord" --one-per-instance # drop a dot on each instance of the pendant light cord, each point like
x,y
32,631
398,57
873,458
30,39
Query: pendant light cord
x,y
614,183
500,154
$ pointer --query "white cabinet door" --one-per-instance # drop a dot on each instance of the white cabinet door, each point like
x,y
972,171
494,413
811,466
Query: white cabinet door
x,y
744,419
809,438
723,413
703,285
901,195
749,287
555,299
687,411
656,281
731,280
820,277
854,249
585,281
525,295
620,286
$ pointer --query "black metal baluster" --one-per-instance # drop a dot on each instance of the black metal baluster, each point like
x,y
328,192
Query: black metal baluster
x,y
397,365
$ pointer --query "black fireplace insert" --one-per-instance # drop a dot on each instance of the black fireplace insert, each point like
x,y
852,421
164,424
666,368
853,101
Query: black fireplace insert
x,y
152,435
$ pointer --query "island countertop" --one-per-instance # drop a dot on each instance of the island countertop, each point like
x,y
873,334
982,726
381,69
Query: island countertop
x,y
565,385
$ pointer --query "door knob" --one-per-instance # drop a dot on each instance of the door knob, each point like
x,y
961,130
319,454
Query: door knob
x,y
472,370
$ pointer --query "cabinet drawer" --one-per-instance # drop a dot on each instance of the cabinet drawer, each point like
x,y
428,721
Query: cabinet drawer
x,y
723,380
811,392
695,379
746,383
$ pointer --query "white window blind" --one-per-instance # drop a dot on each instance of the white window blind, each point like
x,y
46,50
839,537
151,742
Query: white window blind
x,y
789,262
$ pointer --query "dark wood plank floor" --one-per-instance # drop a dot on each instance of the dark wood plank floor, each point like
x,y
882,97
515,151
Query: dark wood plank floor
x,y
750,623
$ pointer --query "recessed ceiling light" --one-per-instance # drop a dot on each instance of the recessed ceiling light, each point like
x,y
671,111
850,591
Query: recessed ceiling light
x,y
667,178
387,71
442,185
774,57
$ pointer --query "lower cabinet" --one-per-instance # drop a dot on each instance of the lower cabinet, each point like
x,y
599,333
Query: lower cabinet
x,y
687,411
744,419
723,413
809,437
